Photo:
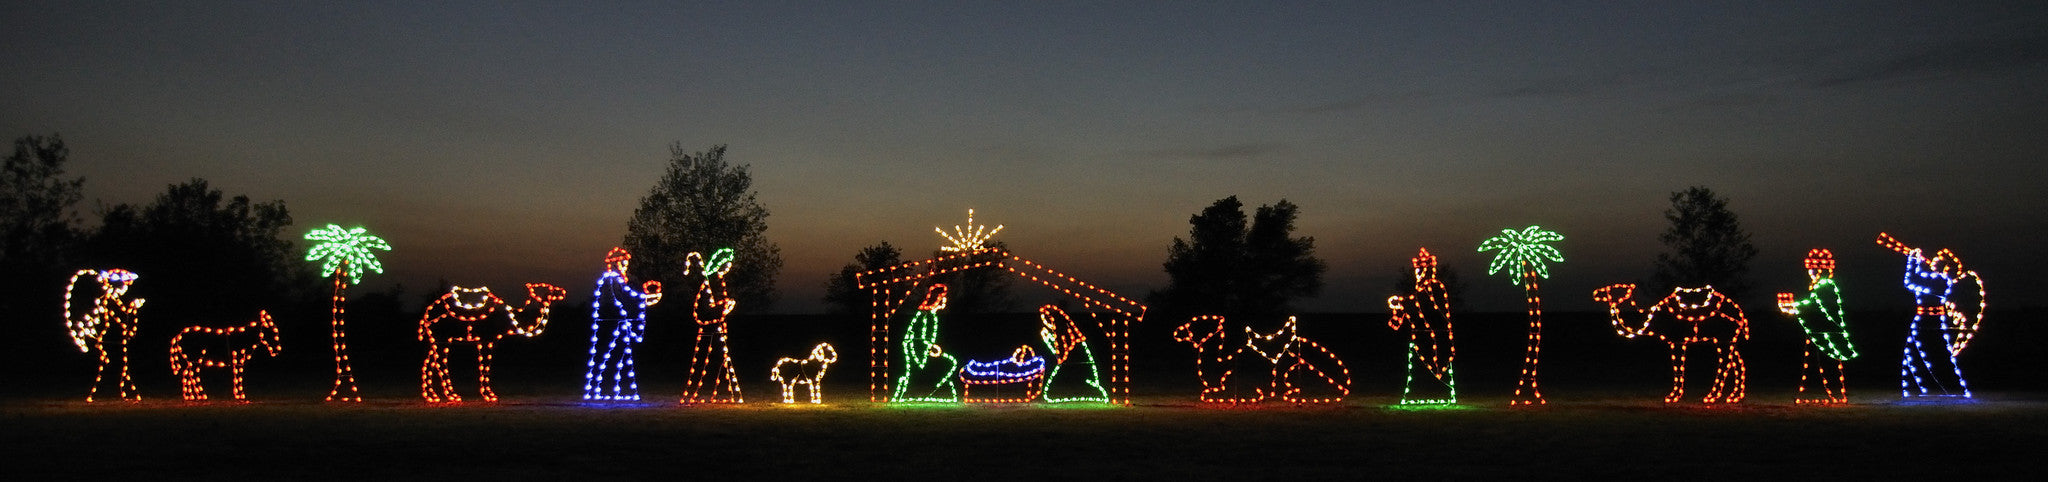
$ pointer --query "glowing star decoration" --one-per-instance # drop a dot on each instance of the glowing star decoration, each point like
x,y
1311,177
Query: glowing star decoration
x,y
111,315
1686,317
346,254
199,347
1074,377
809,372
1017,379
1290,358
1940,309
1432,347
478,318
1524,257
618,321
712,379
928,371
969,238
1827,331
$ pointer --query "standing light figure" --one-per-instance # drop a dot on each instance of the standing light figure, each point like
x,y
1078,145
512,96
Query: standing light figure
x,y
346,253
1689,316
1524,257
1937,313
226,347
618,321
1432,347
1820,314
712,381
478,318
111,315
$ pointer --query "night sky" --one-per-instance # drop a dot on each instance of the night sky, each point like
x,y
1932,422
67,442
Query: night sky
x,y
499,143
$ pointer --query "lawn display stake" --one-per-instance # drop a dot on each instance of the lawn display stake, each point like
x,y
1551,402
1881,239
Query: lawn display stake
x,y
1943,316
200,347
111,315
477,318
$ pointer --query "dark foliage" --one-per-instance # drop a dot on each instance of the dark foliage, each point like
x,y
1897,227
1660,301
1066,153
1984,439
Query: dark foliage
x,y
979,291
203,256
37,223
843,294
1705,244
703,204
1232,268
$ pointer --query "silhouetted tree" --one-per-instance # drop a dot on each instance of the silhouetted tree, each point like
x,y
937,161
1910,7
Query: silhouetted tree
x,y
843,292
37,224
203,256
38,234
1232,268
703,204
1705,244
979,291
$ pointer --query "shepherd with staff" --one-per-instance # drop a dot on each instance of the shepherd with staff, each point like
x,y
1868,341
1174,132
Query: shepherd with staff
x,y
1939,308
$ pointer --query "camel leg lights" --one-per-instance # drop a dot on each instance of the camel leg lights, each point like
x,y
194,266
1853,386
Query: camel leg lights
x,y
1425,314
618,321
200,347
712,379
809,372
1686,317
1820,315
112,314
478,318
1289,358
1948,309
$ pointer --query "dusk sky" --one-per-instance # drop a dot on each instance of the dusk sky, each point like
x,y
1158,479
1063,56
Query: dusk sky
x,y
503,142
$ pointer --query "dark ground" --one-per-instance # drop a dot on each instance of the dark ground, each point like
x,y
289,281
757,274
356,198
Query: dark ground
x,y
1604,419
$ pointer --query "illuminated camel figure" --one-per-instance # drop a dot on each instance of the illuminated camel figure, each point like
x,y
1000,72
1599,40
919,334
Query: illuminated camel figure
x,y
809,372
110,316
1686,317
1291,358
200,347
712,381
479,318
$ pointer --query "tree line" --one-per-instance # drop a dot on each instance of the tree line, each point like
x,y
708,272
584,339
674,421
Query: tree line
x,y
213,256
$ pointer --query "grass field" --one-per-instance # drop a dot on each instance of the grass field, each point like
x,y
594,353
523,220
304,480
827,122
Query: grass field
x,y
1604,419
1158,438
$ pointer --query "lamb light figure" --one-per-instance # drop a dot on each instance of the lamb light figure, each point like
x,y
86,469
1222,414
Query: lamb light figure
x,y
790,372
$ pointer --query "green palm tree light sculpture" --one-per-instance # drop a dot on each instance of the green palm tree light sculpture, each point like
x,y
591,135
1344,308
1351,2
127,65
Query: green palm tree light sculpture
x,y
1523,257
346,253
